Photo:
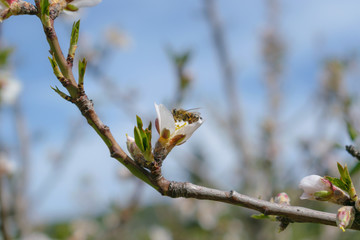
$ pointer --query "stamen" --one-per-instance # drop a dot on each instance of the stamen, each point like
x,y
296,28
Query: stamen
x,y
179,125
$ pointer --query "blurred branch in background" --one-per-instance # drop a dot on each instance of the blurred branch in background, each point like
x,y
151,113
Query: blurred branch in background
x,y
273,51
100,53
235,117
22,179
4,210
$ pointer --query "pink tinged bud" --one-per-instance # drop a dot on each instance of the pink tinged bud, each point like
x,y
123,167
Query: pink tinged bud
x,y
314,187
282,198
321,189
345,217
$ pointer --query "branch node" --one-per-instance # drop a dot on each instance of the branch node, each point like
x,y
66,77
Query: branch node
x,y
49,32
177,189
231,193
70,60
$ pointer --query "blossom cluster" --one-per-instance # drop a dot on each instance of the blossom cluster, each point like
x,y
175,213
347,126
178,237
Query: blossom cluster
x,y
336,190
174,127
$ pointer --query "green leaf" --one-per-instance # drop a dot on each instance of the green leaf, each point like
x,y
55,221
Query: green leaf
x,y
74,40
138,138
75,33
346,179
139,122
4,55
82,68
351,131
5,3
62,94
148,132
338,183
145,142
344,173
341,170
55,68
260,216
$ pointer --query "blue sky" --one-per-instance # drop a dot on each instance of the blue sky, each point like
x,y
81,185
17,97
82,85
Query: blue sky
x,y
312,31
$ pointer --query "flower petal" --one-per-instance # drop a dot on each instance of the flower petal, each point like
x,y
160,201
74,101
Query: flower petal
x,y
306,196
165,119
85,3
187,130
311,183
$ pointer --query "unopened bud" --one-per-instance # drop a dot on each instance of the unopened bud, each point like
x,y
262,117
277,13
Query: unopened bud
x,y
321,189
345,217
282,198
135,151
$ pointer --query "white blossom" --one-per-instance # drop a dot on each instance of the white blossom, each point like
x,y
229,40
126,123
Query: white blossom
x,y
169,128
174,128
10,89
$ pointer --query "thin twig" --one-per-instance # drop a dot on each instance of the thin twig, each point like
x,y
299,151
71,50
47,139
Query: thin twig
x,y
236,129
85,105
352,151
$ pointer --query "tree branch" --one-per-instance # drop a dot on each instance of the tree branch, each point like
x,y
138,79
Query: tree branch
x,y
235,128
294,213
156,180
19,8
